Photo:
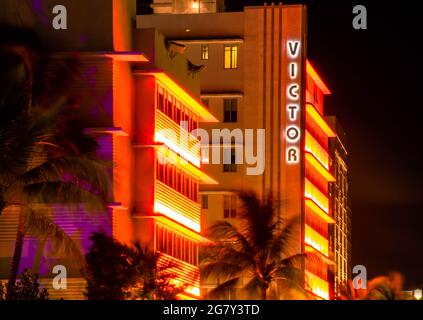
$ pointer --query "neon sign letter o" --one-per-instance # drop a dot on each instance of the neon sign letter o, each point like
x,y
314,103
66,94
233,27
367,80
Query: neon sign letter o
x,y
293,134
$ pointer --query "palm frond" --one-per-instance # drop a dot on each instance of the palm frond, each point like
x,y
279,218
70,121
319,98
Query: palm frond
x,y
39,224
283,240
221,290
223,230
63,192
84,167
220,270
253,287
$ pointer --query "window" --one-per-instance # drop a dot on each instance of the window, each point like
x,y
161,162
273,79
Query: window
x,y
160,99
231,167
204,52
175,110
176,245
205,102
231,57
205,202
229,206
177,179
230,110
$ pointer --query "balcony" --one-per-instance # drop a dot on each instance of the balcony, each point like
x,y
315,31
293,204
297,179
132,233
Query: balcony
x,y
315,116
313,147
185,274
312,193
310,204
317,241
177,207
177,138
318,286
316,165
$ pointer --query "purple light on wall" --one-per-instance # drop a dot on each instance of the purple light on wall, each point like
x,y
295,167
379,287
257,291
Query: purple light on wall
x,y
39,8
77,223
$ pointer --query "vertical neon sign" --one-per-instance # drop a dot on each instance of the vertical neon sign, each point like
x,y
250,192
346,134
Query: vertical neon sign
x,y
293,132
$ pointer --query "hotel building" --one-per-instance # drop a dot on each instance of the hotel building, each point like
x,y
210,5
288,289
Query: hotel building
x,y
257,76
141,99
339,200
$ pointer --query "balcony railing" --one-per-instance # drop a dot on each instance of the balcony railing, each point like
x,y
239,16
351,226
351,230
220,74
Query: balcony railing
x,y
312,146
311,192
177,138
314,115
318,286
185,273
177,207
318,211
316,240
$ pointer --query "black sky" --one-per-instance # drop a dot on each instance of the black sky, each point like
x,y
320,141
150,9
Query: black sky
x,y
376,79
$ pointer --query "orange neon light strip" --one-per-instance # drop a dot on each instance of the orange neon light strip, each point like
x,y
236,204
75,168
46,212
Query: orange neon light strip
x,y
311,192
316,78
316,240
177,207
165,222
182,94
169,212
312,146
177,160
127,56
319,167
318,119
317,210
318,286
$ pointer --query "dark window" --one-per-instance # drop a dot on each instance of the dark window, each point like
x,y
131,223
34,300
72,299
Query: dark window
x,y
160,101
231,167
229,206
205,202
230,110
226,206
205,102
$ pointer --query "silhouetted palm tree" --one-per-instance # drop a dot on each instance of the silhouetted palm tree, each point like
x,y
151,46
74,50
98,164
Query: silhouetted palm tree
x,y
45,157
156,277
117,272
258,249
388,287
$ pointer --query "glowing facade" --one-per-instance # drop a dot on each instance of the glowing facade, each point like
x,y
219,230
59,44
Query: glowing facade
x,y
257,76
317,177
140,100
341,230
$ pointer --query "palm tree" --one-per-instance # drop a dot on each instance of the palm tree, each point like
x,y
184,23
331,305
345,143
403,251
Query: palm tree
x,y
156,279
131,272
389,287
258,250
45,156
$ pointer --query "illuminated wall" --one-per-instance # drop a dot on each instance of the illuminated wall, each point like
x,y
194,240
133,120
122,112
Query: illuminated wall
x,y
167,173
133,114
339,196
275,88
187,6
317,177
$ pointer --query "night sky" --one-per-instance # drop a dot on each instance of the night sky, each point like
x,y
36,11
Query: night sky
x,y
374,76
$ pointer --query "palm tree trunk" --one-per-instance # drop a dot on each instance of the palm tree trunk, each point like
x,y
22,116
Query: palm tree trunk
x,y
16,259
36,265
264,294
